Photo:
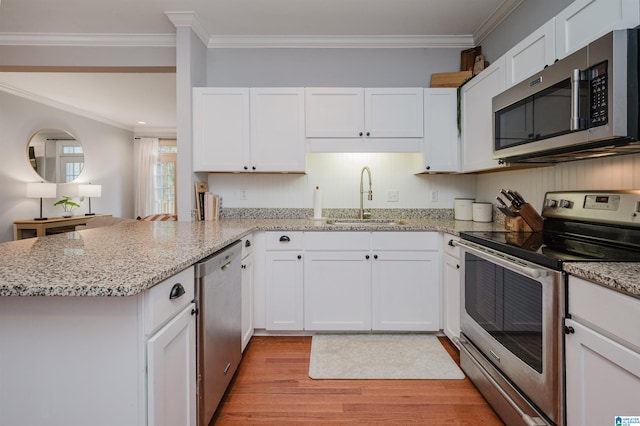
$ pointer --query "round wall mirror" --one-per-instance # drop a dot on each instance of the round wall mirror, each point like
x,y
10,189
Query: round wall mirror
x,y
55,155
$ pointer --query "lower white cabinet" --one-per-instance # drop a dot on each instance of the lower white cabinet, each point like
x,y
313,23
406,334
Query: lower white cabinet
x,y
171,372
451,288
247,272
337,290
352,281
284,281
405,291
602,351
100,361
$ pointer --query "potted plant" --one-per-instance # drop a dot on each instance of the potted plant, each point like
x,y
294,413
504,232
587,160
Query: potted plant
x,y
67,205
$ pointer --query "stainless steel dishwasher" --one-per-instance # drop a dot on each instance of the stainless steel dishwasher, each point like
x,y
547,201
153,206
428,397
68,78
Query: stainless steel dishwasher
x,y
218,284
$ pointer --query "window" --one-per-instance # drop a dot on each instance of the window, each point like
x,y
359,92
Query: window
x,y
165,175
71,160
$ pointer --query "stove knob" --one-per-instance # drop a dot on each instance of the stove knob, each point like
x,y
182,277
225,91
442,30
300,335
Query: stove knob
x,y
551,203
566,204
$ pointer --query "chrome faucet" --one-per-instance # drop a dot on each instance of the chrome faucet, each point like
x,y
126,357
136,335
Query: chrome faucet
x,y
370,193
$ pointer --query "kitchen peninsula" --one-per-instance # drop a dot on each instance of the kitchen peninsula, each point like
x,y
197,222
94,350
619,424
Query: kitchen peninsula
x,y
88,359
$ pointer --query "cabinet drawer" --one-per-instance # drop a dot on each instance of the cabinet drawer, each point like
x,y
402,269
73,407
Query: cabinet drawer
x,y
586,302
159,307
450,249
285,240
341,241
405,241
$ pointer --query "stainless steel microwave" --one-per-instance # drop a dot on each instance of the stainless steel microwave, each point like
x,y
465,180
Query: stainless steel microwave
x,y
583,106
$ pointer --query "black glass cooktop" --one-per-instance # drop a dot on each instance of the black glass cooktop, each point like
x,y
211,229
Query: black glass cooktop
x,y
551,249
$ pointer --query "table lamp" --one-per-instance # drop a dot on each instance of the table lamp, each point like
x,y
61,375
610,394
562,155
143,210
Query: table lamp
x,y
41,190
89,191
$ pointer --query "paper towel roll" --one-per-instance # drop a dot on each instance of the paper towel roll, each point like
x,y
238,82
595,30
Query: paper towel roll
x,y
317,203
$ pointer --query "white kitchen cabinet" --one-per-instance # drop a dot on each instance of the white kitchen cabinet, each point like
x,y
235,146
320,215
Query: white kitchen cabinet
x,y
405,291
364,119
248,130
451,288
441,145
277,130
100,360
284,281
532,54
405,281
585,20
247,266
171,378
602,351
337,290
477,117
371,281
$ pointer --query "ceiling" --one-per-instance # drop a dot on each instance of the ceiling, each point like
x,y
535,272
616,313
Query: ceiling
x,y
124,99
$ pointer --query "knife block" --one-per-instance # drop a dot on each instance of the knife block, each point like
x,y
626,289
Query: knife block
x,y
531,217
516,224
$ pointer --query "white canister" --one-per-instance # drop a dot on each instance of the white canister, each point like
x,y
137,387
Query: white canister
x,y
482,212
463,208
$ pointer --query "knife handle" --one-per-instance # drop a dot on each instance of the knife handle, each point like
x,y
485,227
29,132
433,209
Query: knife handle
x,y
531,216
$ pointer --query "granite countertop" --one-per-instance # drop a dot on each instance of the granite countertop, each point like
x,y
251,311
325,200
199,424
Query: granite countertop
x,y
128,258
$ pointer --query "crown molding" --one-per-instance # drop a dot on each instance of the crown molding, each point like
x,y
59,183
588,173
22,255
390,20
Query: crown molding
x,y
58,105
337,42
496,18
88,40
191,20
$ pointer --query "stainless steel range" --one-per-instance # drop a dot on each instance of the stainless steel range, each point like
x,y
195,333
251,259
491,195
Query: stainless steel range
x,y
514,298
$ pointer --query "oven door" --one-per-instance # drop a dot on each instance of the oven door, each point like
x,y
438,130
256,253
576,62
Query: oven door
x,y
511,311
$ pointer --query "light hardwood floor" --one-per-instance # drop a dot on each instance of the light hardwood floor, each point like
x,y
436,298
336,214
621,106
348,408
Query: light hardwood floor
x,y
272,387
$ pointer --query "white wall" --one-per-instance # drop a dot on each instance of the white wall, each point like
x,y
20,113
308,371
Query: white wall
x,y
108,161
338,176
605,173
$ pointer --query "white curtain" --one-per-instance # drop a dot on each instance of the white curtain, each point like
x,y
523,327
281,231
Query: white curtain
x,y
145,157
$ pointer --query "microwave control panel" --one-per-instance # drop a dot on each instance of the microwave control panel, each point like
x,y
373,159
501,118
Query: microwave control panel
x,y
599,94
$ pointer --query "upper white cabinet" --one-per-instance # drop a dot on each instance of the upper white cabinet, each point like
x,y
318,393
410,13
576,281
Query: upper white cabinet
x,y
532,54
477,117
585,20
252,130
441,146
356,119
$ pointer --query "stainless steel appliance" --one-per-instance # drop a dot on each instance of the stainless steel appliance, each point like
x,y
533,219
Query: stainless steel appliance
x,y
583,106
514,298
218,296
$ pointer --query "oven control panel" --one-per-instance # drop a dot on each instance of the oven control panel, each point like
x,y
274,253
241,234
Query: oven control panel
x,y
613,207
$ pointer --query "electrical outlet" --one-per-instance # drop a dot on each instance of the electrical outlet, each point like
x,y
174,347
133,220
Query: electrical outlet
x,y
393,196
434,196
243,194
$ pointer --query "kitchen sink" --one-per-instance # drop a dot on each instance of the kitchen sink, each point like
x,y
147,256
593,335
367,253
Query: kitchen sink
x,y
365,222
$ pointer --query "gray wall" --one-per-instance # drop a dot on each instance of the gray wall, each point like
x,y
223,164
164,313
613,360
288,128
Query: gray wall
x,y
528,17
108,161
328,67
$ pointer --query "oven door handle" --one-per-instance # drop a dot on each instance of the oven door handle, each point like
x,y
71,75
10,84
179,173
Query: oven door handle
x,y
503,260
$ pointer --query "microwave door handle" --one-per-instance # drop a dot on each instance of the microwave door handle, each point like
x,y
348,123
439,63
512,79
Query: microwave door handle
x,y
575,100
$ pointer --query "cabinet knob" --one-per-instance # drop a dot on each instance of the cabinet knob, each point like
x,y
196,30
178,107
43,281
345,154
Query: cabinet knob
x,y
246,168
360,134
367,257
428,167
569,329
375,256
253,167
368,133
457,266
501,162
299,256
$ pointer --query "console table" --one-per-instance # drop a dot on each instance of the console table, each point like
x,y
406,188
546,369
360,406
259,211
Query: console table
x,y
54,225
